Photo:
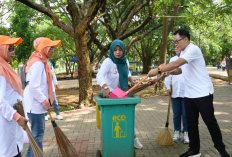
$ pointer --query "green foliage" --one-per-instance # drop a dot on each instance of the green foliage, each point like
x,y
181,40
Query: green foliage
x,y
4,31
21,26
209,23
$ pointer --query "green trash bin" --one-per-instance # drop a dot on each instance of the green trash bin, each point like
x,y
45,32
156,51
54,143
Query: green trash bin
x,y
117,125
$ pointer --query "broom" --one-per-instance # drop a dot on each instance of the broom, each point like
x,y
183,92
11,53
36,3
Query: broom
x,y
65,146
144,86
36,151
165,137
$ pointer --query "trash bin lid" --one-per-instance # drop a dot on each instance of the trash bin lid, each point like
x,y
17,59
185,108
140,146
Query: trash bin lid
x,y
116,101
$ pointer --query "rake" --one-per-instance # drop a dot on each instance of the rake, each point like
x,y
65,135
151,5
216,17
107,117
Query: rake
x,y
37,152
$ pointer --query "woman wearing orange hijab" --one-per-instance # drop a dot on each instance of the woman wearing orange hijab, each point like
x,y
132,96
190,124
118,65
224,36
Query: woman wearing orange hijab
x,y
39,87
11,123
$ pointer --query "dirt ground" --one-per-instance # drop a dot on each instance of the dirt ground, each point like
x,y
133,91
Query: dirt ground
x,y
68,99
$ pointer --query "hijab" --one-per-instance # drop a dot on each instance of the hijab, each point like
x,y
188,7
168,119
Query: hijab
x,y
41,56
121,63
6,70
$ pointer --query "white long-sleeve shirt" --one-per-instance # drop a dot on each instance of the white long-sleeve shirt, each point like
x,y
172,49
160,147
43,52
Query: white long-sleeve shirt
x,y
36,92
54,79
108,74
11,134
177,82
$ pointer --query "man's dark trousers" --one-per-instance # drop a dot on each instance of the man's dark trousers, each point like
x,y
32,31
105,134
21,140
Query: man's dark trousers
x,y
204,106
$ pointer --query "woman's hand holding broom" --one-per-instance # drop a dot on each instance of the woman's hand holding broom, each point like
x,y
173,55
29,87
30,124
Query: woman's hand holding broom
x,y
47,106
22,122
37,152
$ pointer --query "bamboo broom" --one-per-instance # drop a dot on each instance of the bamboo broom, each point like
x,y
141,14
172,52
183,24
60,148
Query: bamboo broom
x,y
144,86
36,151
65,146
165,137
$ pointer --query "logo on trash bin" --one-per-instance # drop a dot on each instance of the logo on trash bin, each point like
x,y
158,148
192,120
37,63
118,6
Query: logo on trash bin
x,y
119,126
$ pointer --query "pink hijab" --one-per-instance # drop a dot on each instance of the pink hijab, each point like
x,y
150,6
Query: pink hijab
x,y
6,70
42,56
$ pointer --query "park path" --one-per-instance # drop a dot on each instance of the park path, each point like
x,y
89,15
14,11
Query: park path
x,y
150,117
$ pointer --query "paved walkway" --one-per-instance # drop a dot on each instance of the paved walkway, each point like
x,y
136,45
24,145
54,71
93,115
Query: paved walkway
x,y
150,117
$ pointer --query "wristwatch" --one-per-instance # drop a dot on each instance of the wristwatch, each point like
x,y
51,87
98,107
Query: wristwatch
x,y
106,87
159,71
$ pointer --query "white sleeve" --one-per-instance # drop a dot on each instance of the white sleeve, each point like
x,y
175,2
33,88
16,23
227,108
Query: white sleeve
x,y
34,85
129,74
192,53
105,68
5,109
54,79
168,82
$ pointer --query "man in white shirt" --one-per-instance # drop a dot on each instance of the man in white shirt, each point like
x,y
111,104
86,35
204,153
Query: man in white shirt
x,y
177,93
198,93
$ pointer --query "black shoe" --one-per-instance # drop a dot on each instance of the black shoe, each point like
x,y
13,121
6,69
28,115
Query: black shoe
x,y
190,153
224,154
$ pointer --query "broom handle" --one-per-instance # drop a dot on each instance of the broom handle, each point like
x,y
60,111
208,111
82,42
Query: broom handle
x,y
136,85
169,104
49,111
139,82
159,78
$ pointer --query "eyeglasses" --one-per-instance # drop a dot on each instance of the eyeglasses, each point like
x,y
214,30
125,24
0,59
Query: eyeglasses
x,y
10,49
52,49
177,41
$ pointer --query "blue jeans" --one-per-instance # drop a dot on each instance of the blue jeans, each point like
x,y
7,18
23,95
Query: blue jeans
x,y
37,128
223,68
178,112
55,105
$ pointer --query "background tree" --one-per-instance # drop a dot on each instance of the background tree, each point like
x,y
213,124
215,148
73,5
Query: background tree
x,y
20,25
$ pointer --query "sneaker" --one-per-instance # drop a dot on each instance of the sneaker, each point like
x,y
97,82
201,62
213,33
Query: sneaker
x,y
230,83
186,138
176,136
59,117
224,154
190,153
46,118
137,144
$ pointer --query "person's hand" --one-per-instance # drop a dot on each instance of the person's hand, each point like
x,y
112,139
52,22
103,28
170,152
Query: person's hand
x,y
22,122
57,87
152,72
106,93
47,107
169,92
132,83
166,73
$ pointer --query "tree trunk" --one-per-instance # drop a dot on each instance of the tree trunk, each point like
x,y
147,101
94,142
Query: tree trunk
x,y
159,87
84,71
146,64
66,66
